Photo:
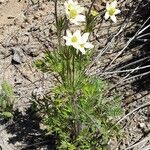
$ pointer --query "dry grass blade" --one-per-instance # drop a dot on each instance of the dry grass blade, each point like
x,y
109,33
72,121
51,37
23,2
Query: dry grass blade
x,y
141,142
138,108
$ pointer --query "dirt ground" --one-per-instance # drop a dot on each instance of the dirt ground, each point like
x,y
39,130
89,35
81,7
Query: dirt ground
x,y
19,47
26,30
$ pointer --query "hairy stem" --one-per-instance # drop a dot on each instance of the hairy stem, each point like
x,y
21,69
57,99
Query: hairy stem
x,y
57,25
93,1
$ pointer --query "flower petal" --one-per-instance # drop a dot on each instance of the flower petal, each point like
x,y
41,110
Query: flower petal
x,y
65,37
78,47
107,6
68,43
106,15
82,50
75,3
89,45
77,34
113,18
114,4
69,34
85,36
74,21
81,9
80,18
70,1
117,11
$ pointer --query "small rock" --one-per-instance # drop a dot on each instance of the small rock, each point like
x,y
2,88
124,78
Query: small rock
x,y
38,93
32,50
16,56
43,127
144,93
141,125
138,95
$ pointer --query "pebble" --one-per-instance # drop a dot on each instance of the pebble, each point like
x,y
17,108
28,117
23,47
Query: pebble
x,y
141,125
138,95
16,56
38,93
31,50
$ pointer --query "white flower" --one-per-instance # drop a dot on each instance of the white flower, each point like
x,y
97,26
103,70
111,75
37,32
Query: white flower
x,y
83,44
111,11
73,12
72,39
77,41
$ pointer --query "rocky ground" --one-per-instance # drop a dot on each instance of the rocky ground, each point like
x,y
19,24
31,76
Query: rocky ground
x,y
27,29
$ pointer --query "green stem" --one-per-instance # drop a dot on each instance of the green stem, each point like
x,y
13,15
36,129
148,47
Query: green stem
x,y
68,74
76,116
91,7
73,97
56,19
57,25
73,71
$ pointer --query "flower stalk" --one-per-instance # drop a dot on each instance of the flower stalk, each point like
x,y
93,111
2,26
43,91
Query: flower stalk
x,y
57,24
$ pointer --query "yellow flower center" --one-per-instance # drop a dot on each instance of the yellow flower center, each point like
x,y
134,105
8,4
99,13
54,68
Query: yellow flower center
x,y
111,11
73,13
82,45
74,39
94,13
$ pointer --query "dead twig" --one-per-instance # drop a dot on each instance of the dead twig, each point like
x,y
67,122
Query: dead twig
x,y
138,108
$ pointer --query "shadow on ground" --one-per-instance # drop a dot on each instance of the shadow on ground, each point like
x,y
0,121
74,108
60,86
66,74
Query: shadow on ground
x,y
141,55
142,60
142,83
26,130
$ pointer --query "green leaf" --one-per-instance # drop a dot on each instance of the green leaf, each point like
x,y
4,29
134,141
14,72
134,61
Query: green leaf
x,y
7,88
115,112
7,114
3,102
